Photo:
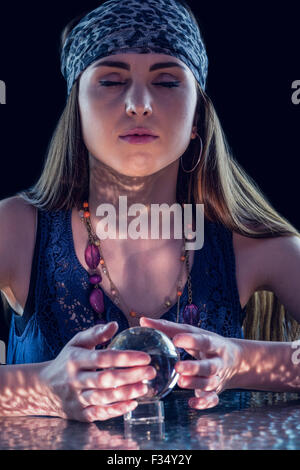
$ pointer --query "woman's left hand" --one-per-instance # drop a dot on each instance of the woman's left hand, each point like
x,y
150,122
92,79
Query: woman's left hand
x,y
217,360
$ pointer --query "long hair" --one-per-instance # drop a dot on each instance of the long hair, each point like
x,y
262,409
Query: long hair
x,y
228,194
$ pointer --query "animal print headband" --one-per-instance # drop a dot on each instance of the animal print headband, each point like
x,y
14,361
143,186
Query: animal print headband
x,y
142,26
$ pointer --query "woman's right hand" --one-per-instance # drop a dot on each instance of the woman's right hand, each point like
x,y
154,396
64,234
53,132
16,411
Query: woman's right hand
x,y
79,392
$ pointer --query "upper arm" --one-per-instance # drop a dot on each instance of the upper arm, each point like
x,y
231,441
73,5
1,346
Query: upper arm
x,y
16,215
281,266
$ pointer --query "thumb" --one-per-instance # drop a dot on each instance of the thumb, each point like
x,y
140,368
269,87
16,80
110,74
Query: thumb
x,y
91,337
169,328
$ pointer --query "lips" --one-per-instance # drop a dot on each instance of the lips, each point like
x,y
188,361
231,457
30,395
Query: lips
x,y
139,131
139,139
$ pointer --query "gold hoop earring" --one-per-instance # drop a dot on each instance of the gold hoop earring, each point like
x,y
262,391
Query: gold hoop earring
x,y
190,171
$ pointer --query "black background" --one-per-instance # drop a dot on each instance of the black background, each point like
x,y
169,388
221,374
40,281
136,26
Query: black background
x,y
253,60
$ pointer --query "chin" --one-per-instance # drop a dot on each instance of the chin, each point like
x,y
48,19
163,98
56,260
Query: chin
x,y
139,172
141,167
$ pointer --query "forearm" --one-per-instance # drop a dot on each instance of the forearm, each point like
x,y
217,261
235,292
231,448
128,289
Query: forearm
x,y
268,366
23,393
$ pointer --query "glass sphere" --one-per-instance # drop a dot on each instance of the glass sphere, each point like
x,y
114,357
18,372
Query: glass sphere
x,y
164,356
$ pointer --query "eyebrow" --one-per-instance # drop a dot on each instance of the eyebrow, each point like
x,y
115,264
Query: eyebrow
x,y
125,66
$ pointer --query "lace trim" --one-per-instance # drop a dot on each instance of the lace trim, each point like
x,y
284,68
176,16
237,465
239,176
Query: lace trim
x,y
61,300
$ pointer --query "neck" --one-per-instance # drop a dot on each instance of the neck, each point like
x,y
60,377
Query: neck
x,y
107,185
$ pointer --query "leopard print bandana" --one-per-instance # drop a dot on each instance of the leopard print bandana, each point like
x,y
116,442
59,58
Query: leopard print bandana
x,y
142,26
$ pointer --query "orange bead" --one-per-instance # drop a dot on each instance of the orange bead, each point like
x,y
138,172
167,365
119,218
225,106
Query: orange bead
x,y
101,261
85,205
133,313
86,215
179,293
182,258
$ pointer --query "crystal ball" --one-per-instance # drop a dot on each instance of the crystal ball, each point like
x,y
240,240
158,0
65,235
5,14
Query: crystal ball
x,y
164,356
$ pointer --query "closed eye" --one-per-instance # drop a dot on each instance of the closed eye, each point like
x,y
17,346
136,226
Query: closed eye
x,y
165,84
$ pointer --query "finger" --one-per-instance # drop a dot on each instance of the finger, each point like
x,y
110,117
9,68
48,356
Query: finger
x,y
203,400
95,359
201,383
169,328
194,353
113,395
172,329
102,413
200,342
204,368
91,337
114,378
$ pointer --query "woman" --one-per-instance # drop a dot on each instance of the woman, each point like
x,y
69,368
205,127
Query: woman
x,y
85,289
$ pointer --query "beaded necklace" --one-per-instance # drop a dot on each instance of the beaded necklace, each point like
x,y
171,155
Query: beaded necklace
x,y
94,258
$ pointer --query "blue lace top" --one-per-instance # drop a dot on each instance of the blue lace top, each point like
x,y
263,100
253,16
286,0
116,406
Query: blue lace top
x,y
57,305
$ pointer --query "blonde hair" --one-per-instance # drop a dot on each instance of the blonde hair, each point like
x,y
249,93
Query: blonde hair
x,y
229,196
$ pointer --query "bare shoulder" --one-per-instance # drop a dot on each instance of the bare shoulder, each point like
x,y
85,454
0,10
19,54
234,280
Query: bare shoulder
x,y
268,247
261,257
17,203
17,239
250,265
16,213
274,264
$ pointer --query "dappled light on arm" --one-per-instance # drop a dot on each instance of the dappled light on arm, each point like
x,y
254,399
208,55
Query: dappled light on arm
x,y
23,395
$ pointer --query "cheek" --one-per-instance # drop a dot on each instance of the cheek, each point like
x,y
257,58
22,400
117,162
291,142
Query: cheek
x,y
181,111
182,117
90,111
92,125
89,130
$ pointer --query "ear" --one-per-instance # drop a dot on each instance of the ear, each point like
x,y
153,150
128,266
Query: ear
x,y
195,126
194,132
196,115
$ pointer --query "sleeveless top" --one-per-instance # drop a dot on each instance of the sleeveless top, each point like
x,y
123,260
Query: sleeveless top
x,y
57,306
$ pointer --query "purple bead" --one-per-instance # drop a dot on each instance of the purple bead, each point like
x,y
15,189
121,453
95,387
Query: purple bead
x,y
96,301
92,256
95,279
191,315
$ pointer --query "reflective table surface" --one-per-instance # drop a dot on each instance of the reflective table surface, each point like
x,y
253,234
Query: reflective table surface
x,y
242,420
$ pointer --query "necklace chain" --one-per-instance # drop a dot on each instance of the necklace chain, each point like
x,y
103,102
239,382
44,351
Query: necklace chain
x,y
94,240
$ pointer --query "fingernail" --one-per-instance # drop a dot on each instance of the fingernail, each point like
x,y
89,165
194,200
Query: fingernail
x,y
107,325
150,373
132,406
101,328
193,402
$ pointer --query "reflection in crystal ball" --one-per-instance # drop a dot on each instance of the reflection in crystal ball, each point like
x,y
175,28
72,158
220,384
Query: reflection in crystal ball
x,y
164,356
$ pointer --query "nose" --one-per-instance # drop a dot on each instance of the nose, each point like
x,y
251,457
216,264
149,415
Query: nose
x,y
142,109
138,105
